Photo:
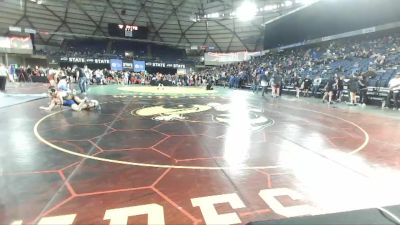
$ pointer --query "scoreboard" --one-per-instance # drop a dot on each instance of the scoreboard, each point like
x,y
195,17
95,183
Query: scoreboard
x,y
128,31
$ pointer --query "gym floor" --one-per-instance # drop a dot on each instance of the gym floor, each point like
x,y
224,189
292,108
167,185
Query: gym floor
x,y
188,156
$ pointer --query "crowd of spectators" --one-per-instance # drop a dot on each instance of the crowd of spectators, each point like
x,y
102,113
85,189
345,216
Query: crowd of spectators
x,y
126,77
356,63
327,70
88,76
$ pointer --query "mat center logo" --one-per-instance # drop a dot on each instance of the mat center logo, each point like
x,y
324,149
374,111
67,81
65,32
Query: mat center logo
x,y
219,113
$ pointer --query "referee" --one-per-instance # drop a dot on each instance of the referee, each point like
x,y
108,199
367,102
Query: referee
x,y
3,77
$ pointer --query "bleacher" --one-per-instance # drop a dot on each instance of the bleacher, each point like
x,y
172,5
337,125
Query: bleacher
x,y
85,47
345,57
117,49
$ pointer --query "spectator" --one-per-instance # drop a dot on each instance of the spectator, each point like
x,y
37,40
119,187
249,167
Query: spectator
x,y
3,77
276,85
81,79
363,87
264,83
306,84
353,88
256,81
316,82
329,88
297,84
394,92
340,88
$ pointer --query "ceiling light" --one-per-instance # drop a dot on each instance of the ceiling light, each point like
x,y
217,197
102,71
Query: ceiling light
x,y
288,3
270,7
306,2
212,15
246,11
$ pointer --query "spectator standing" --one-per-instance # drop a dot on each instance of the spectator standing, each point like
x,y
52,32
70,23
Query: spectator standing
x,y
306,84
329,88
297,84
264,83
353,88
81,79
88,75
3,77
256,82
340,88
276,85
363,87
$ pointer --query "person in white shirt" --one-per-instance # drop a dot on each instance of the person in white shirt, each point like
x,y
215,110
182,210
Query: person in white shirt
x,y
3,77
394,92
63,86
88,75
98,77
126,77
315,87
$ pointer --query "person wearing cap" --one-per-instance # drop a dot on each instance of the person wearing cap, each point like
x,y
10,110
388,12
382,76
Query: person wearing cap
x,y
394,92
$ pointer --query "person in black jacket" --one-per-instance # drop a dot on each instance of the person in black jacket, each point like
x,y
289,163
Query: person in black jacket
x,y
80,74
297,84
340,88
329,87
306,84
363,87
209,83
353,88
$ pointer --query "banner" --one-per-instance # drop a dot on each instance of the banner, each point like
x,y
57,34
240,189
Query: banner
x,y
225,58
116,64
84,60
19,45
139,66
127,65
166,65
